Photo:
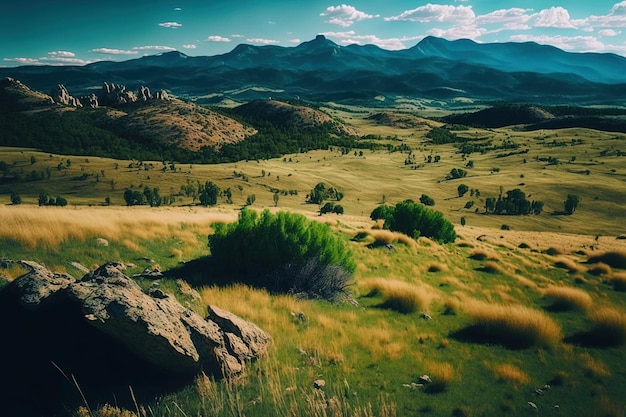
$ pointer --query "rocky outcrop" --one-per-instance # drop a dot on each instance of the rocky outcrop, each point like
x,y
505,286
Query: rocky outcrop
x,y
116,94
15,96
109,333
60,95
90,101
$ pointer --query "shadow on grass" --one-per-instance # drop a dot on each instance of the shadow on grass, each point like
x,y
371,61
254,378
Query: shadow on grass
x,y
591,339
479,335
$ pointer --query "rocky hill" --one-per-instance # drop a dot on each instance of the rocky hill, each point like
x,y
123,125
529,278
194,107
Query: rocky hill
x,y
293,116
15,96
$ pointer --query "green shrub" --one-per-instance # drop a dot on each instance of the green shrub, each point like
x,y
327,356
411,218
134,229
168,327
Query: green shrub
x,y
284,252
415,220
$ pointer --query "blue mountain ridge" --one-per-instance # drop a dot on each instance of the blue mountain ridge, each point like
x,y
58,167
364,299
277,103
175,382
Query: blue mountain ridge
x,y
322,70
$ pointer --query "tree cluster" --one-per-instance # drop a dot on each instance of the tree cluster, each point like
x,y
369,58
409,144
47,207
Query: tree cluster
x,y
514,202
321,192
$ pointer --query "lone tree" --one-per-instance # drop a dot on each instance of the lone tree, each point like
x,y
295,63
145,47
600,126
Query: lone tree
x,y
462,189
15,198
208,194
427,200
571,203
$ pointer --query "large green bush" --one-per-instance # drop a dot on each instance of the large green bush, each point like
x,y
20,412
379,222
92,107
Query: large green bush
x,y
415,220
284,252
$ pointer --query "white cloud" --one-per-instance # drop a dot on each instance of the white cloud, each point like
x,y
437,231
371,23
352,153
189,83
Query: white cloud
x,y
350,37
111,51
154,48
262,41
172,25
296,40
345,15
23,61
65,54
608,33
178,9
64,60
436,13
554,17
237,36
615,18
217,38
189,46
514,16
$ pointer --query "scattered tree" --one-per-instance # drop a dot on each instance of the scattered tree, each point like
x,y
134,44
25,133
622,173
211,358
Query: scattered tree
x,y
426,200
15,198
462,190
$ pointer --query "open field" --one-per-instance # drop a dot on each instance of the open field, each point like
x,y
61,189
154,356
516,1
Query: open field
x,y
511,311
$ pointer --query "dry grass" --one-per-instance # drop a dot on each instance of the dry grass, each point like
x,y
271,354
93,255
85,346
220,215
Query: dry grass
x,y
511,374
618,280
593,368
568,264
437,267
567,298
600,269
492,267
608,326
555,251
514,326
442,375
615,259
31,226
480,254
10,271
386,237
400,296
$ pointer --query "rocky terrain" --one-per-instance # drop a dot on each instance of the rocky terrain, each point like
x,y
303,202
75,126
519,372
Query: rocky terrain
x,y
103,333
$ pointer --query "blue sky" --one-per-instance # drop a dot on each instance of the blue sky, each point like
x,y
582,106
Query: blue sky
x,y
77,32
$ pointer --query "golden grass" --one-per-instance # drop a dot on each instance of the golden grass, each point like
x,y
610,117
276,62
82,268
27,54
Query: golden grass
x,y
401,296
600,269
614,259
555,251
437,267
386,237
568,264
513,325
442,375
480,254
492,267
618,280
511,374
31,226
608,326
593,368
567,298
12,271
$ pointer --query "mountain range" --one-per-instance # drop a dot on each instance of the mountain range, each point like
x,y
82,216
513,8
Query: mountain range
x,y
321,70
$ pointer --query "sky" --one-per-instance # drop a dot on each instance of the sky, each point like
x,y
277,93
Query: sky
x,y
78,32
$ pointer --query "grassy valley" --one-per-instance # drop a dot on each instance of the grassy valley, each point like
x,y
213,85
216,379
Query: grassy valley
x,y
520,309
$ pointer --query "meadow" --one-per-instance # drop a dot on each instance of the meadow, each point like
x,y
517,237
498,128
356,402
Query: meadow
x,y
497,319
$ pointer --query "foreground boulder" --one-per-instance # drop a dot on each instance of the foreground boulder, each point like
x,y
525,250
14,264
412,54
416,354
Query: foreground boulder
x,y
104,334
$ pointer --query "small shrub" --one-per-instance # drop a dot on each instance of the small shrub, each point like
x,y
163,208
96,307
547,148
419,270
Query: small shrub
x,y
511,373
277,251
553,251
514,326
482,254
566,298
608,326
505,227
567,263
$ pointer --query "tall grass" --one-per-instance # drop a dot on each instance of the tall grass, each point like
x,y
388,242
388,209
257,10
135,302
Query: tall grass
x,y
442,375
567,298
615,259
510,373
401,296
618,280
515,326
608,326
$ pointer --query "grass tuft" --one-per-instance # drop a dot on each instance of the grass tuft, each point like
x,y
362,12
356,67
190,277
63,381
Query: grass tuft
x,y
567,298
600,269
514,326
492,267
608,326
442,375
567,263
511,374
437,267
615,259
618,280
400,296
552,251
482,254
